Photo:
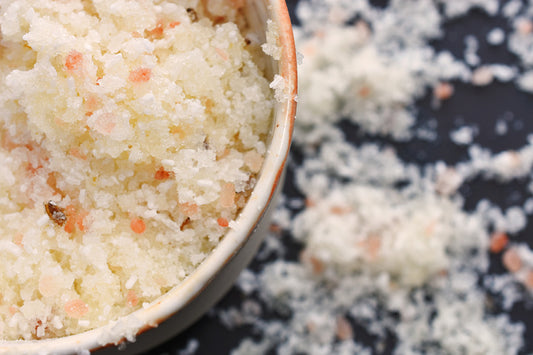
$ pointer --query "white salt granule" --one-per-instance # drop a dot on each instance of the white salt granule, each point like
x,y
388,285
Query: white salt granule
x,y
463,135
482,76
512,8
525,81
501,127
502,72
280,88
131,281
528,206
191,347
471,48
496,36
272,47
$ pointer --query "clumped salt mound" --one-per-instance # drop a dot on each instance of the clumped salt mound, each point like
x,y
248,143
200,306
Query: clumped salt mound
x,y
131,133
369,73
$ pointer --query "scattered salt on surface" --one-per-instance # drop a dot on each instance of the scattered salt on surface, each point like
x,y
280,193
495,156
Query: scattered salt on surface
x,y
496,36
387,246
471,48
463,135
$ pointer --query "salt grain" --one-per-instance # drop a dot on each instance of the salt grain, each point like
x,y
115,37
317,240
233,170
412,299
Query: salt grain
x,y
496,36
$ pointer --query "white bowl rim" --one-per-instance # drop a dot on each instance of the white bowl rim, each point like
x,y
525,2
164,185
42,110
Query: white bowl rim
x,y
175,299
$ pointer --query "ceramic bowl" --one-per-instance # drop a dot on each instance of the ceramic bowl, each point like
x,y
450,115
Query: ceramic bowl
x,y
185,303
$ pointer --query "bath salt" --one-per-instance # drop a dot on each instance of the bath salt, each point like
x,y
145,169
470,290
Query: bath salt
x,y
131,134
496,36
463,135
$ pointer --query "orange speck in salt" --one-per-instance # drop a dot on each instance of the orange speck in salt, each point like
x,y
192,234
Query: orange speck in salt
x,y
227,195
136,34
525,27
364,92
511,260
59,122
92,103
80,220
7,142
174,24
13,310
157,31
48,286
162,174
74,61
17,240
137,225
105,124
179,131
70,224
76,308
343,329
443,91
275,228
223,154
141,75
340,210
498,241
237,4
188,209
310,202
75,152
253,160
222,53
131,298
372,246
317,265
222,222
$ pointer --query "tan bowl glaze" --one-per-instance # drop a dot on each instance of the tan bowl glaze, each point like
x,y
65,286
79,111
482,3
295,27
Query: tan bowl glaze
x,y
185,303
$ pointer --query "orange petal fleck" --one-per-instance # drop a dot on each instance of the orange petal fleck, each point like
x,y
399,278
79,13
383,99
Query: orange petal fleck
x,y
223,222
74,61
80,220
498,241
227,195
443,91
344,330
188,209
141,75
76,308
222,53
137,225
17,240
162,174
132,299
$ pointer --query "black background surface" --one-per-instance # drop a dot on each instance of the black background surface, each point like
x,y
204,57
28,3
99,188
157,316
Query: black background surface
x,y
479,106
